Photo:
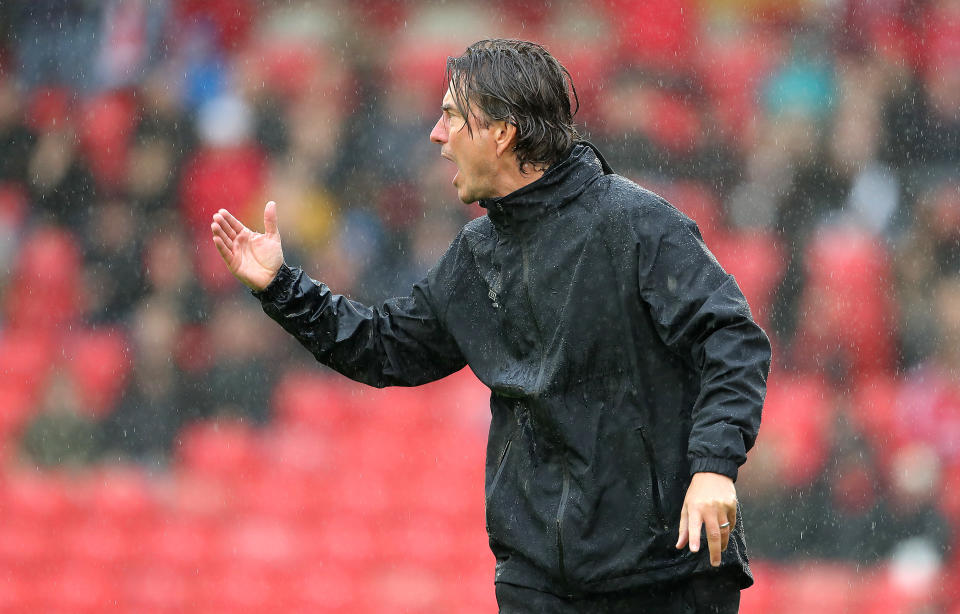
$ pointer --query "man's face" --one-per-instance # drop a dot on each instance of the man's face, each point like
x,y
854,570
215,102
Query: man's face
x,y
475,155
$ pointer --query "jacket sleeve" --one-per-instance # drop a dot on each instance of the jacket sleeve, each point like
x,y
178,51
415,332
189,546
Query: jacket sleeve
x,y
401,343
700,313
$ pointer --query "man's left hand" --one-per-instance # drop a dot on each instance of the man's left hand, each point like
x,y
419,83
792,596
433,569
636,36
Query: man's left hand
x,y
711,502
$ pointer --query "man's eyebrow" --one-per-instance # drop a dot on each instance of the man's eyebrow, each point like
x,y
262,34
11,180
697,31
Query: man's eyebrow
x,y
447,106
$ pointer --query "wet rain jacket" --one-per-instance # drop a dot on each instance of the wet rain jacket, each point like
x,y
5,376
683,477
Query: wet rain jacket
x,y
620,356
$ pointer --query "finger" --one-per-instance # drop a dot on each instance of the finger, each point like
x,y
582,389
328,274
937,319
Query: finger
x,y
219,220
270,219
713,539
727,531
694,530
225,252
223,233
234,222
682,537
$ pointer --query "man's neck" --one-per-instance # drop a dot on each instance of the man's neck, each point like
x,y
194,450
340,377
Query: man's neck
x,y
512,179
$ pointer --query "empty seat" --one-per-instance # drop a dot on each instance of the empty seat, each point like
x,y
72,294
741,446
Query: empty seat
x,y
798,418
224,450
48,273
99,361
106,125
849,318
758,262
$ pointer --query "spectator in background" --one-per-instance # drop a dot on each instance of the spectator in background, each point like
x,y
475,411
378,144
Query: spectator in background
x,y
113,271
60,185
16,139
239,382
160,398
928,407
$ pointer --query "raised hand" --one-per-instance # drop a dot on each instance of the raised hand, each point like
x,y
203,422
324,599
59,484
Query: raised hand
x,y
254,258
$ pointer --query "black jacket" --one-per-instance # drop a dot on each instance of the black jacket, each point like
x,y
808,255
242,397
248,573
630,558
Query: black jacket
x,y
620,356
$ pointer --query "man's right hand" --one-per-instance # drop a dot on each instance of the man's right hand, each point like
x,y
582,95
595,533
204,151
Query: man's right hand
x,y
252,257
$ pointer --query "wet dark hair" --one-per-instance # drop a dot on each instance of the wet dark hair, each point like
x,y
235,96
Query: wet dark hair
x,y
522,84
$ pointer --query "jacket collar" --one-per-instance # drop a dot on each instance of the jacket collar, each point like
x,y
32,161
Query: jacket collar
x,y
559,185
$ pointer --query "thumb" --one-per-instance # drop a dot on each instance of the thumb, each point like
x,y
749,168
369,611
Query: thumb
x,y
270,219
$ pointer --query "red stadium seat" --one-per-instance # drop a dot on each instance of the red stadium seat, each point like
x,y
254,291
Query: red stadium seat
x,y
262,544
873,412
850,315
757,261
328,588
99,360
225,450
733,72
79,588
49,108
417,65
106,126
179,546
156,589
318,402
37,498
798,418
47,273
762,597
700,203
658,34
342,541
825,588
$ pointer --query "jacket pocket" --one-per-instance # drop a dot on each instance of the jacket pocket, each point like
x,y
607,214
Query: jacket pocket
x,y
656,490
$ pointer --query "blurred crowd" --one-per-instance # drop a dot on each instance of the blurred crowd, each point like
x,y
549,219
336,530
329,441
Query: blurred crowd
x,y
817,145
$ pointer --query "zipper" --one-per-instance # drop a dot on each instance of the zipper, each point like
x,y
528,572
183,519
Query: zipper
x,y
560,510
500,466
533,316
654,482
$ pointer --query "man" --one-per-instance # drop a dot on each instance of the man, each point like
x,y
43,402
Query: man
x,y
626,372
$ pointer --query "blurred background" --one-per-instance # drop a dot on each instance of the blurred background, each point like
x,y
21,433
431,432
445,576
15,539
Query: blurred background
x,y
164,447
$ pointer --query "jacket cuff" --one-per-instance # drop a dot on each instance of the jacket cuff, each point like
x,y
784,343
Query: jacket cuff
x,y
708,464
280,283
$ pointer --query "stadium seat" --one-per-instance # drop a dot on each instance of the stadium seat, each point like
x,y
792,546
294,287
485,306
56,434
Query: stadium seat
x,y
850,316
700,203
658,35
36,498
179,546
874,413
328,588
822,587
155,589
18,400
320,403
78,588
49,108
223,450
262,544
341,541
757,261
106,124
99,361
48,273
798,419
733,71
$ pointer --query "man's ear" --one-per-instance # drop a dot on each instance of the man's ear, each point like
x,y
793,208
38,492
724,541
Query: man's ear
x,y
505,136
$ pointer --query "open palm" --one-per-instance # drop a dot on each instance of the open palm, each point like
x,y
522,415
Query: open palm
x,y
254,258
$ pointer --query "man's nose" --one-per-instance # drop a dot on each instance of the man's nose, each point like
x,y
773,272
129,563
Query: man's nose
x,y
439,133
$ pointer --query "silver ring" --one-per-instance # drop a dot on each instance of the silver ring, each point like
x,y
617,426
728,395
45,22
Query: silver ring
x,y
725,525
